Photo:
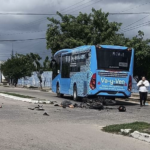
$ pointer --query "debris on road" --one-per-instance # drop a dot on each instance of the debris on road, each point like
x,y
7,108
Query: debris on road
x,y
66,103
1,106
71,106
46,114
88,104
76,105
31,108
40,108
122,108
64,106
83,105
91,105
125,131
56,105
109,102
97,105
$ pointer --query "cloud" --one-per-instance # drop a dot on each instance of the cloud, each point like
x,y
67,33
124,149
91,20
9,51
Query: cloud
x,y
24,27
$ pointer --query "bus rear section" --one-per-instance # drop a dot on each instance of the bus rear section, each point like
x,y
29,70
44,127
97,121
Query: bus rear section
x,y
112,72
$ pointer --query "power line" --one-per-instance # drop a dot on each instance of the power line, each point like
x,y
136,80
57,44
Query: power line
x,y
38,21
38,14
29,14
22,40
88,5
130,13
33,44
73,5
79,5
135,22
136,27
112,13
135,6
25,32
76,25
27,25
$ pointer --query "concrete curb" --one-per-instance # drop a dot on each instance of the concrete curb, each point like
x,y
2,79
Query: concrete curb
x,y
141,136
137,135
25,99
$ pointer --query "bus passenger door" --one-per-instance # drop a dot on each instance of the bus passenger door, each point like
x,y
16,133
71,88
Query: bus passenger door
x,y
65,75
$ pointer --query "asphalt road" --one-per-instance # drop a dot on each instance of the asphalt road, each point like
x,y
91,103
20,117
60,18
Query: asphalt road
x,y
64,129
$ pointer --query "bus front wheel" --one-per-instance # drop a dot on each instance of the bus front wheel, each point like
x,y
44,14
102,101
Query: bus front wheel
x,y
58,91
75,94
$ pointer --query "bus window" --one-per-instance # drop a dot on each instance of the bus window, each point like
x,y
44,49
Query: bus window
x,y
77,61
113,59
65,72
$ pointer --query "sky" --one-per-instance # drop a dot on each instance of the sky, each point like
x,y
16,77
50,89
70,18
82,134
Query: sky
x,y
18,27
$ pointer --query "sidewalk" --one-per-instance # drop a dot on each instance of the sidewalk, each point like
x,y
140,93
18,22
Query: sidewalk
x,y
136,96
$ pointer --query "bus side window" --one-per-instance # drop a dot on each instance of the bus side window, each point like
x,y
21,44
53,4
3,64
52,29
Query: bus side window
x,y
65,72
56,67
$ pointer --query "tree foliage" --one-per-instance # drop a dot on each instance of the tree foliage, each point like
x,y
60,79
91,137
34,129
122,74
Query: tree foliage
x,y
94,28
20,66
142,51
17,67
85,29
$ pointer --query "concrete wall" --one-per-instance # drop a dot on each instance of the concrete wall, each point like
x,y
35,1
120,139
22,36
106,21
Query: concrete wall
x,y
34,81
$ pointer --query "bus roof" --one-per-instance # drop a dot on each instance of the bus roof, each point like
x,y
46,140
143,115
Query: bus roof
x,y
62,51
113,46
86,47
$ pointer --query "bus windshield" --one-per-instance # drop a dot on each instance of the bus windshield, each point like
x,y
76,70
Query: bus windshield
x,y
113,59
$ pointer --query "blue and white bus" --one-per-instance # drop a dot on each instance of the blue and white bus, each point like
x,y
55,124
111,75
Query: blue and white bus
x,y
93,71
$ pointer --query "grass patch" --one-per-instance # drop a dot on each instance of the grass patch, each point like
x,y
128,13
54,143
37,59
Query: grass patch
x,y
135,126
17,95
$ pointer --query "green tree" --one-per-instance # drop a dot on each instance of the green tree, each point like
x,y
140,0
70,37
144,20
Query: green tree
x,y
21,66
94,28
17,67
85,29
142,51
142,54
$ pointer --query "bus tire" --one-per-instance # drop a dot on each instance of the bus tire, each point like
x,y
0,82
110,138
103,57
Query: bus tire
x,y
75,94
58,91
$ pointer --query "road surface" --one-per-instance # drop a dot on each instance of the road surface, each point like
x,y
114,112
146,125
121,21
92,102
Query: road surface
x,y
64,129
